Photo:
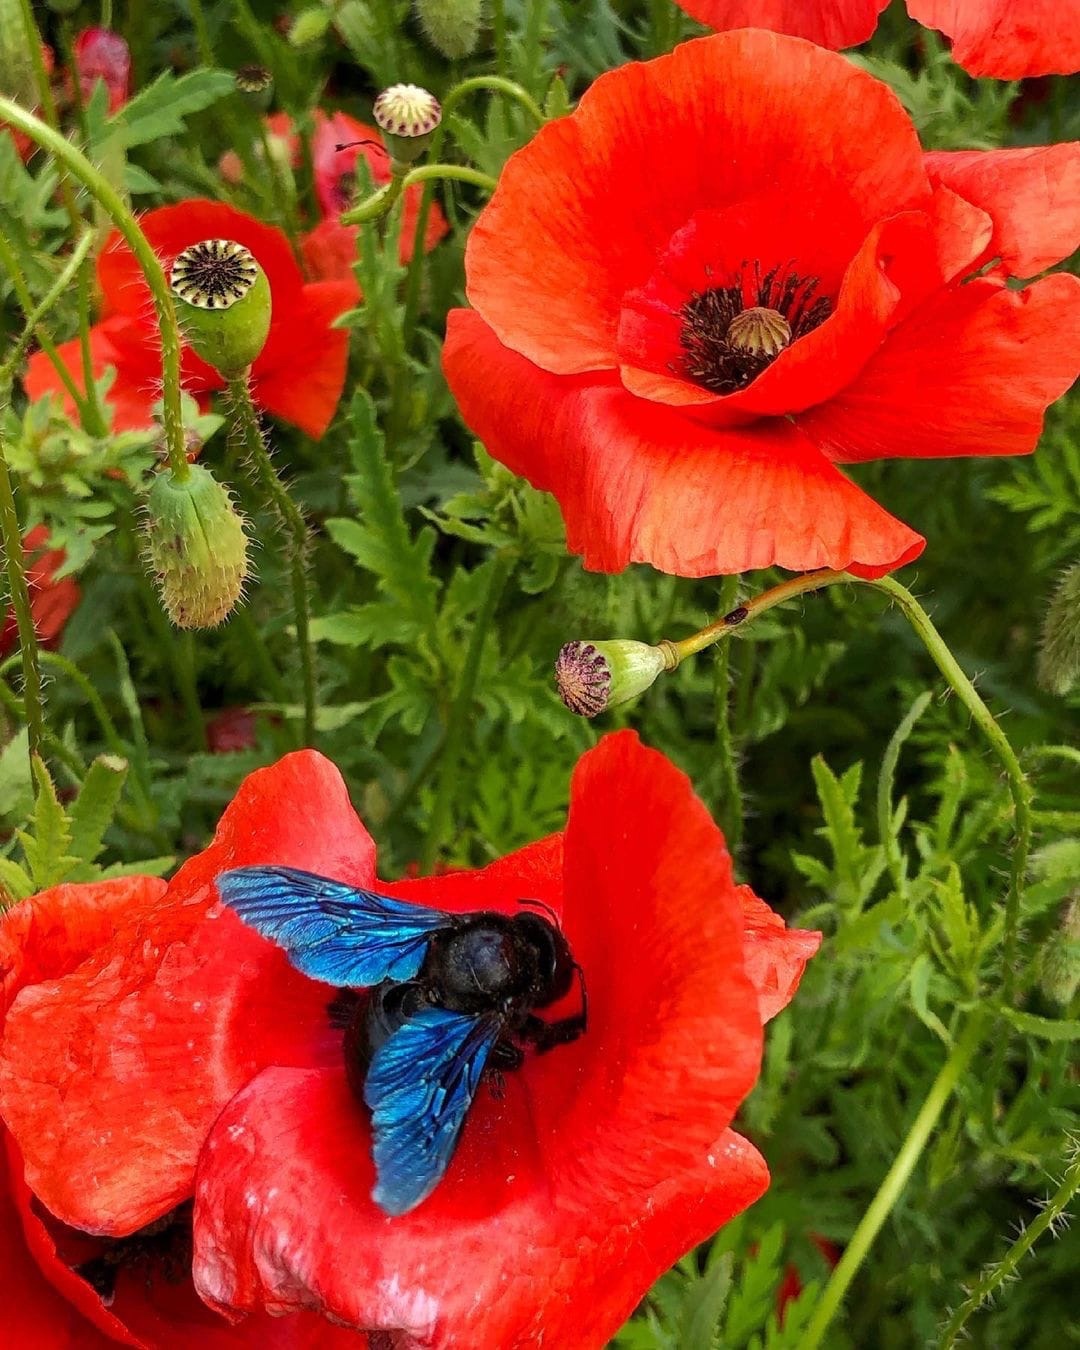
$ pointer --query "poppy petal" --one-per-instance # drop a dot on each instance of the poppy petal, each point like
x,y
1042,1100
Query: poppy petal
x,y
132,392
1006,39
639,484
969,373
836,24
775,955
165,1030
1031,194
284,1220
300,373
578,218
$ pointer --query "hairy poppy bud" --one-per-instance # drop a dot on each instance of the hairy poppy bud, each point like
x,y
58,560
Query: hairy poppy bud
x,y
1060,975
407,117
594,676
1059,657
196,547
451,26
224,303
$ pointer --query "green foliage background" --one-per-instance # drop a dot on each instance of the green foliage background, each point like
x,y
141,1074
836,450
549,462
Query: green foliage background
x,y
865,802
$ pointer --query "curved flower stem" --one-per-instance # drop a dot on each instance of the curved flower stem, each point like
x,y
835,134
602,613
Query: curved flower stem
x,y
11,537
994,1276
292,520
458,173
379,203
114,206
35,314
1019,787
496,84
460,708
892,1186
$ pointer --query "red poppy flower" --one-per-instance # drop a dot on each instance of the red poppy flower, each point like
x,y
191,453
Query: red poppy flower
x,y
298,376
103,55
733,268
192,1040
1007,39
52,602
78,1292
329,250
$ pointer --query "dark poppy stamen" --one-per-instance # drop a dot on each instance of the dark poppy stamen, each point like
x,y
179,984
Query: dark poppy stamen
x,y
162,1248
214,273
730,334
583,678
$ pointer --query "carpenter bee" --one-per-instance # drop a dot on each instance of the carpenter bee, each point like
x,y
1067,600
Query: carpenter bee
x,y
452,996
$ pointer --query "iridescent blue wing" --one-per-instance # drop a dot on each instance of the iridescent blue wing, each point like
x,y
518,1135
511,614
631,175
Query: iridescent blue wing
x,y
332,931
419,1087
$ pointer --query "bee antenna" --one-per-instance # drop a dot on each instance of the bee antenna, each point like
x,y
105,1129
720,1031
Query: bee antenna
x,y
546,909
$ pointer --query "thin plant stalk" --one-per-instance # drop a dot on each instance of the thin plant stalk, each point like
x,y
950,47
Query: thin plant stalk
x,y
292,521
892,1187
11,537
730,795
116,208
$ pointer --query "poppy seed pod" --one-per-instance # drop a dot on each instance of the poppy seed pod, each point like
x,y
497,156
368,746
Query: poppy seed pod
x,y
1060,974
451,26
196,547
224,303
407,116
592,677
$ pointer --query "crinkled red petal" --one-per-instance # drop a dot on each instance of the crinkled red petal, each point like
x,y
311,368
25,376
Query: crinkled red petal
x,y
638,482
829,23
1007,39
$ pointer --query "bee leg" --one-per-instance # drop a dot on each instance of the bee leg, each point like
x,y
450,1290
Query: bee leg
x,y
505,1055
547,1035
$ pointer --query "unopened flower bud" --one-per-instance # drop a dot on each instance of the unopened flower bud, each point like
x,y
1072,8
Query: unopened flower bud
x,y
224,303
407,117
594,676
451,26
196,547
16,56
1059,657
1060,974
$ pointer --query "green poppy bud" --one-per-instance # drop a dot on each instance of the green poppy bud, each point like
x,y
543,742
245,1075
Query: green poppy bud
x,y
407,117
196,547
223,303
592,677
1060,974
16,56
451,26
1059,657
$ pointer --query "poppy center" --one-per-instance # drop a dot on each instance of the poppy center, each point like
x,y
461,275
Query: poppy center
x,y
730,334
161,1249
214,274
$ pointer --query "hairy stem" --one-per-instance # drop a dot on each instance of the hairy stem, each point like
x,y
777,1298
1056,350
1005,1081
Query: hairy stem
x,y
11,537
730,794
114,206
892,1187
292,521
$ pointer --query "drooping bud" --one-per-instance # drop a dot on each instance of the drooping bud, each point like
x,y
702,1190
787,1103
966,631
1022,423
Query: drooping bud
x,y
225,304
451,26
759,331
592,677
1060,975
196,547
407,117
1059,657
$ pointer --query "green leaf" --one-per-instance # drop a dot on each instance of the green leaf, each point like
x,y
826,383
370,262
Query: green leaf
x,y
93,810
1044,1028
159,110
14,881
46,844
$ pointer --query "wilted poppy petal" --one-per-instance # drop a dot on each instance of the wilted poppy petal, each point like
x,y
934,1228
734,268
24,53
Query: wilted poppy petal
x,y
300,373
1031,194
829,23
151,1035
578,217
1007,39
1005,355
775,955
637,483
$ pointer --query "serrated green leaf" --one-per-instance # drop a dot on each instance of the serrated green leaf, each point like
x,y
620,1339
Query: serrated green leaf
x,y
93,810
15,881
46,842
159,110
1044,1028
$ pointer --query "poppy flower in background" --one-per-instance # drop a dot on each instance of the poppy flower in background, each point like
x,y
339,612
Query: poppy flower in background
x,y
329,250
103,55
52,602
298,376
731,269
187,1054
1006,39
77,1291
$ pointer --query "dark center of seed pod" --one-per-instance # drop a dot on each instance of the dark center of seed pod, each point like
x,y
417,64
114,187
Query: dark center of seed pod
x,y
214,273
731,333
583,678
